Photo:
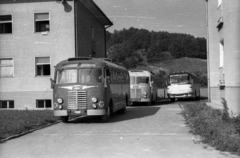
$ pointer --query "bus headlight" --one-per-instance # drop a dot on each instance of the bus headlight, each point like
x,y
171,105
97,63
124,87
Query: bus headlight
x,y
101,104
60,100
145,94
94,100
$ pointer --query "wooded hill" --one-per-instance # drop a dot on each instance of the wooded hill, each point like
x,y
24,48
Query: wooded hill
x,y
160,52
132,46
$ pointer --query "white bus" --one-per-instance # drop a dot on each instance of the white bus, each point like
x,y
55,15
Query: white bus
x,y
183,85
142,86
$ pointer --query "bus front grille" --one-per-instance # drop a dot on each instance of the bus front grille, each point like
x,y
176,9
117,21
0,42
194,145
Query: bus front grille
x,y
77,100
135,93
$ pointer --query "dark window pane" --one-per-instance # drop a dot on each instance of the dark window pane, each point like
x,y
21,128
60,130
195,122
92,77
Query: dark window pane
x,y
6,18
42,26
11,104
4,104
48,103
40,103
5,28
39,70
46,69
43,70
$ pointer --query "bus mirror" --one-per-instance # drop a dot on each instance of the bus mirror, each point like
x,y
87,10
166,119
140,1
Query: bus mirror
x,y
52,83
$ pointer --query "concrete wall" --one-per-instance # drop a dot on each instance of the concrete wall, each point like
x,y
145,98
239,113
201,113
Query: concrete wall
x,y
23,45
230,72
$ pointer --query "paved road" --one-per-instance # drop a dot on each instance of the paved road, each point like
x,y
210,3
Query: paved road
x,y
157,131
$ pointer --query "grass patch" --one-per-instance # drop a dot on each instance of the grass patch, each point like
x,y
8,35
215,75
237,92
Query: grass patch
x,y
215,126
14,122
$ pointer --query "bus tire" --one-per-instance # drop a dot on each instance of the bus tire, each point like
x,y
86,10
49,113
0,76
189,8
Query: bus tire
x,y
199,95
105,118
149,103
64,119
173,100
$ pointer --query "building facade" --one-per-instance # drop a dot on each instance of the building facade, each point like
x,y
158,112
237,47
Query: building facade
x,y
224,52
34,36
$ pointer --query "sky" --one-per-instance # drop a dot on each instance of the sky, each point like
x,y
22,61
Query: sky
x,y
174,16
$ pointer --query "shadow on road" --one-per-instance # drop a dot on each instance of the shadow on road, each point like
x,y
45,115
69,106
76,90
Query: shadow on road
x,y
133,112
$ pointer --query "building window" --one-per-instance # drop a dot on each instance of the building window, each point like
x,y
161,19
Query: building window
x,y
43,66
6,67
6,104
44,103
5,24
42,22
221,53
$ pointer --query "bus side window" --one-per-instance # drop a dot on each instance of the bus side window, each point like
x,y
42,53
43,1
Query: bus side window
x,y
108,73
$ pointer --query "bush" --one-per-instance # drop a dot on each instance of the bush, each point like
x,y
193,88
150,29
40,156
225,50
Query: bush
x,y
215,126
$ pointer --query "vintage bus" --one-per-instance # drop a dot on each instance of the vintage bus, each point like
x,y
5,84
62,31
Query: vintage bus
x,y
89,87
183,85
142,86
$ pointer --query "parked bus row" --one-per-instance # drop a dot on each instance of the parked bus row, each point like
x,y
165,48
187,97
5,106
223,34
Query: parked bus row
x,y
88,86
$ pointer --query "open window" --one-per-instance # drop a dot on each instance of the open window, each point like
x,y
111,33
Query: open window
x,y
42,22
43,66
5,24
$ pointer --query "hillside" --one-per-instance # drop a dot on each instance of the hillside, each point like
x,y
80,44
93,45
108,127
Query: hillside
x,y
184,64
192,65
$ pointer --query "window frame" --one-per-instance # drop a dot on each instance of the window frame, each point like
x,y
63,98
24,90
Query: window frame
x,y
8,104
35,65
12,66
34,21
44,104
7,22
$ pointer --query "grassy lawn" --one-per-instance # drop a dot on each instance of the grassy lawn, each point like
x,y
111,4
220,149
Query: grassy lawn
x,y
14,122
215,127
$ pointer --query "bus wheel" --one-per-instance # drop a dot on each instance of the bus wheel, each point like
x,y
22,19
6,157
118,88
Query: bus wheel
x,y
149,103
173,100
105,118
64,119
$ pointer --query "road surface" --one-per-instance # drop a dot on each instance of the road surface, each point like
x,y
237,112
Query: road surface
x,y
157,131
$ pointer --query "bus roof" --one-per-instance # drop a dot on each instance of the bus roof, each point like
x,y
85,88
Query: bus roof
x,y
181,72
99,62
140,72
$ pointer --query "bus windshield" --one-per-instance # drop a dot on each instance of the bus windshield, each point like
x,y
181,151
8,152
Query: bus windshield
x,y
67,76
85,75
139,79
89,75
180,78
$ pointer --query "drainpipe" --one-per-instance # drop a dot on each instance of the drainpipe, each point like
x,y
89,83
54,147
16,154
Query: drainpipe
x,y
208,62
75,27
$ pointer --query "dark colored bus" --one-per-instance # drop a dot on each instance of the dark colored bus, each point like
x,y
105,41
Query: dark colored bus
x,y
87,86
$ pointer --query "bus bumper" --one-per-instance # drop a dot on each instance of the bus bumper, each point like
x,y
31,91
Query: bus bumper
x,y
60,113
140,100
184,95
96,112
